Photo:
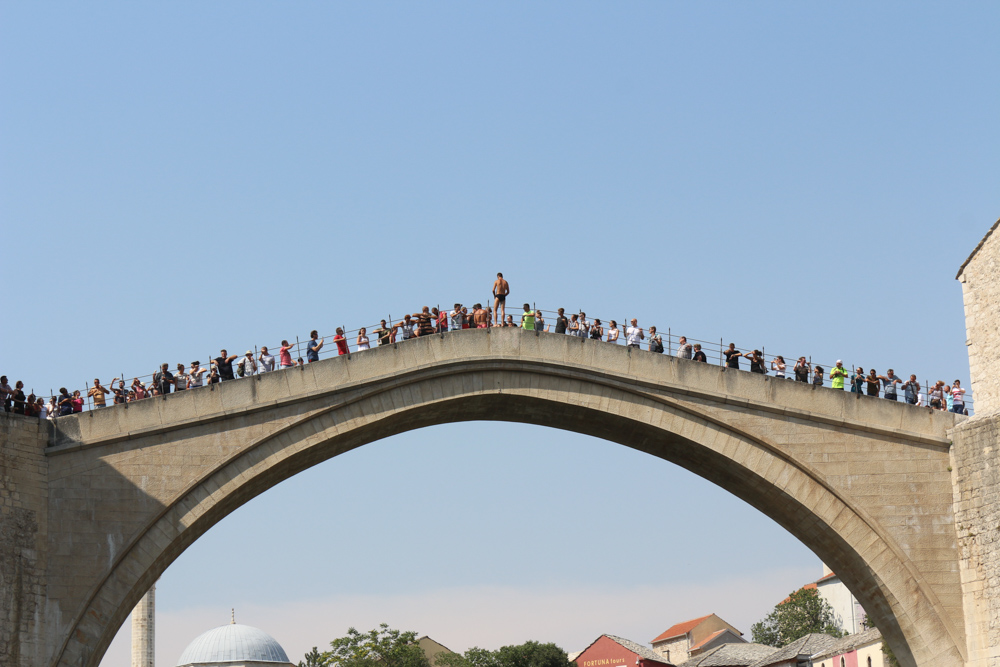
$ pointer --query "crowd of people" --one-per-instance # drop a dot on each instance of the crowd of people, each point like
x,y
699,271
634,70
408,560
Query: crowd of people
x,y
428,321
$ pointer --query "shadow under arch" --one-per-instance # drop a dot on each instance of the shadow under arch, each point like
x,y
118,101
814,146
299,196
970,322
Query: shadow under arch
x,y
744,464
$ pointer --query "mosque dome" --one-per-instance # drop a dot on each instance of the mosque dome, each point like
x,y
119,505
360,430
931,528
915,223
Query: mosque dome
x,y
233,645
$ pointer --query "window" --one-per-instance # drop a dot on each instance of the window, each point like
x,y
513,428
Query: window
x,y
842,661
869,661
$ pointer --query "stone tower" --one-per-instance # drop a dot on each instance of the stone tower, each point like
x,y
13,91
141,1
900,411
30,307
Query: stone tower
x,y
980,278
975,456
144,630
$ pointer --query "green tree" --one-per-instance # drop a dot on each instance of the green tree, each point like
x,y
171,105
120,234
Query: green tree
x,y
802,613
382,647
313,659
528,654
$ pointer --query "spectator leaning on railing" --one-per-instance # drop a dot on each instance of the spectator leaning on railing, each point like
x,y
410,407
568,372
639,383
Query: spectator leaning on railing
x,y
435,321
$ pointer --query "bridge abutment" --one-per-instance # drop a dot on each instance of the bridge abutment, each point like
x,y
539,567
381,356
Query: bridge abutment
x,y
976,479
23,541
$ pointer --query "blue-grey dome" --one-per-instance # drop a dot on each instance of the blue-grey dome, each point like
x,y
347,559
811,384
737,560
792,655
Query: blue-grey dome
x,y
233,643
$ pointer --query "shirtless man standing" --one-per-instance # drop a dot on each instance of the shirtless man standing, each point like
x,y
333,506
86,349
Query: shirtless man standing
x,y
501,288
480,316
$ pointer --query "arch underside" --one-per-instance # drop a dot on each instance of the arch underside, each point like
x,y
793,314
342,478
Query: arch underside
x,y
736,459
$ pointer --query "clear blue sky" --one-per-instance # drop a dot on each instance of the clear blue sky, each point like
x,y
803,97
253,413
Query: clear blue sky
x,y
184,177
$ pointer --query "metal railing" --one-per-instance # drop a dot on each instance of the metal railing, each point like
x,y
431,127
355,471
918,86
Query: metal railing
x,y
714,352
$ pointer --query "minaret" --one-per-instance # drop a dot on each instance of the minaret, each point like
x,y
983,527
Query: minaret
x,y
144,630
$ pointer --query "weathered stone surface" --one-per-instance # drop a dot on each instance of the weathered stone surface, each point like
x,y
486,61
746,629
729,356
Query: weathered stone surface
x,y
23,543
980,277
863,482
976,476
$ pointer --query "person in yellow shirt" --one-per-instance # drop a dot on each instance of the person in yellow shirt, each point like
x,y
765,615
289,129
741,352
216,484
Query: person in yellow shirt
x,y
837,375
527,319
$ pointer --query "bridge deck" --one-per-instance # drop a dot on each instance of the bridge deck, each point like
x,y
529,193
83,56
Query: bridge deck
x,y
544,353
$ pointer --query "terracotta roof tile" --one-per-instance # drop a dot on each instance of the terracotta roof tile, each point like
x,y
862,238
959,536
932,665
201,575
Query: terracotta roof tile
x,y
708,639
680,629
807,587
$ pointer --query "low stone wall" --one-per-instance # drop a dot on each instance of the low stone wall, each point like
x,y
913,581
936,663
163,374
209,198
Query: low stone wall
x,y
23,536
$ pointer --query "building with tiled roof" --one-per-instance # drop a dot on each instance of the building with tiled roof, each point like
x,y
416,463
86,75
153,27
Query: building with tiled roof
x,y
863,649
798,652
717,638
684,640
612,651
849,612
730,655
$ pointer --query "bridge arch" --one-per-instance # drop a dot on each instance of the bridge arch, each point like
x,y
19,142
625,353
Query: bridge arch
x,y
739,438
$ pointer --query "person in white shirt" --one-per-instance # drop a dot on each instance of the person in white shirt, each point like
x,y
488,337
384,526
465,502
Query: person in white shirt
x,y
457,318
266,360
684,350
958,398
363,342
248,365
633,334
180,379
196,377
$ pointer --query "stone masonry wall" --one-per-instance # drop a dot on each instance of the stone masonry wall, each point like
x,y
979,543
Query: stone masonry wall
x,y
23,537
976,482
980,278
675,650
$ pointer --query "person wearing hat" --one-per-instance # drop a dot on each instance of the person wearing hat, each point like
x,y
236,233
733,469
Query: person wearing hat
x,y
247,365
837,375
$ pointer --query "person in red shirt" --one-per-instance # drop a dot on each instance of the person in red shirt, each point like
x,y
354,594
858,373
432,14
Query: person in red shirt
x,y
341,342
285,355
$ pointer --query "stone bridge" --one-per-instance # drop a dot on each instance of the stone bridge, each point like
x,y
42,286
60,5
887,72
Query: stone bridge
x,y
90,521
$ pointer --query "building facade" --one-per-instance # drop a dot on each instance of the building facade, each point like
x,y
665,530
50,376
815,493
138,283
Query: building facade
x,y
861,650
612,651
683,640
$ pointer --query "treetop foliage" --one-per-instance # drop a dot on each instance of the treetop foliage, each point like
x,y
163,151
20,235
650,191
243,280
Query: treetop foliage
x,y
804,612
528,654
382,647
